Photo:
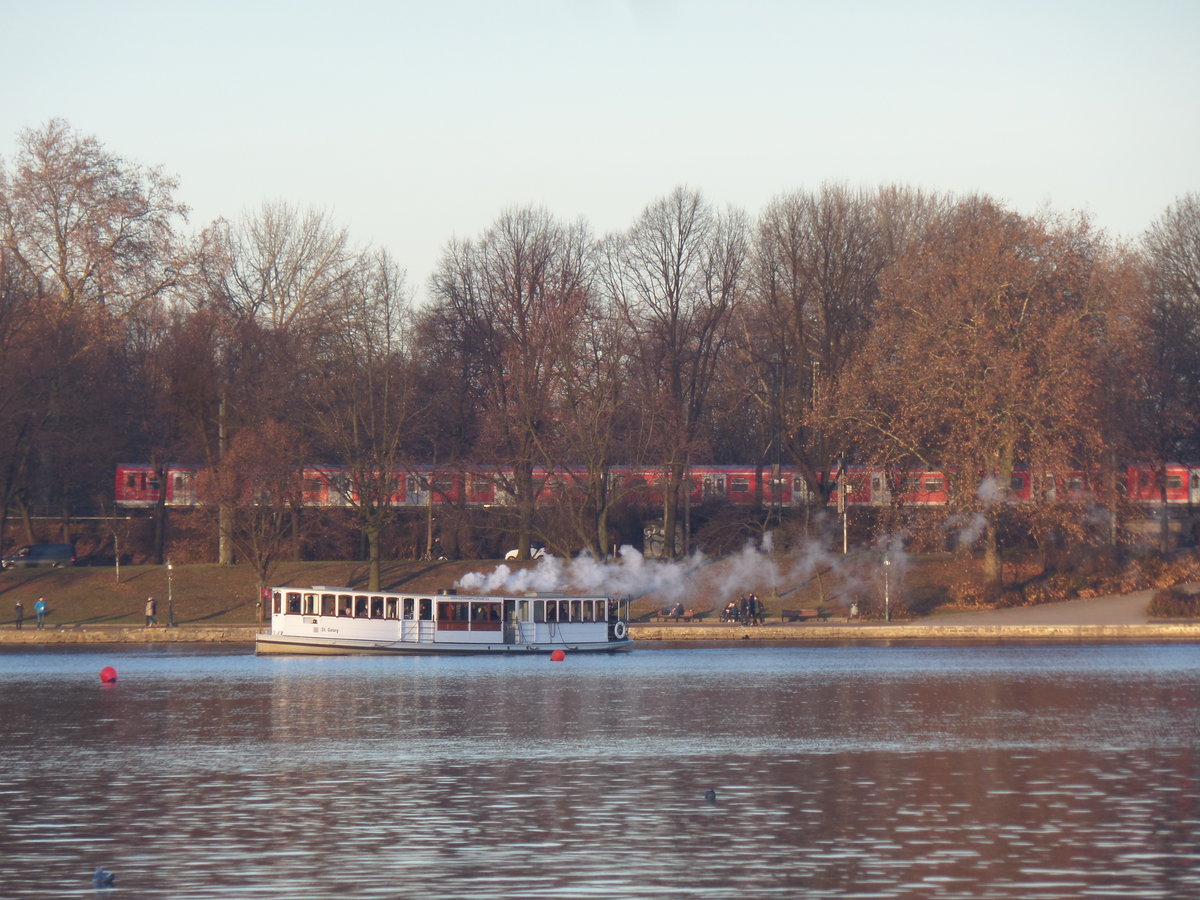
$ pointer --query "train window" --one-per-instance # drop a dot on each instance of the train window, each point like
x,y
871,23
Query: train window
x,y
935,483
328,605
912,484
739,484
1075,483
131,480
480,486
1174,482
1016,483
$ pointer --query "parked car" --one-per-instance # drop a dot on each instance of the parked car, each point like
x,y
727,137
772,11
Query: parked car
x,y
32,555
535,552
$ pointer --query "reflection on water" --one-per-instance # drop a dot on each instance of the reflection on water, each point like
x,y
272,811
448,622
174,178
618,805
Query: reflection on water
x,y
840,772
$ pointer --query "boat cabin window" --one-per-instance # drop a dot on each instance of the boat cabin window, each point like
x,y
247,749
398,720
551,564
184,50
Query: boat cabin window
x,y
522,610
485,612
452,612
328,605
409,608
277,601
293,603
393,608
376,607
425,609
309,606
345,605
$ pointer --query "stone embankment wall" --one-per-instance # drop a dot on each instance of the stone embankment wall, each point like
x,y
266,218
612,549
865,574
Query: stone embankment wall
x,y
914,631
129,634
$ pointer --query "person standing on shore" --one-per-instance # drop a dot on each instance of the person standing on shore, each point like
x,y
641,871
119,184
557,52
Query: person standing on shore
x,y
20,611
151,612
40,609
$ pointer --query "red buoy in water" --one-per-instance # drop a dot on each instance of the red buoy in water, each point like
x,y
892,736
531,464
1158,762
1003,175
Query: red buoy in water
x,y
108,674
558,655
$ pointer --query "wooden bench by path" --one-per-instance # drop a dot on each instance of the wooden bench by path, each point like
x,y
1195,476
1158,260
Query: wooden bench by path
x,y
689,615
799,615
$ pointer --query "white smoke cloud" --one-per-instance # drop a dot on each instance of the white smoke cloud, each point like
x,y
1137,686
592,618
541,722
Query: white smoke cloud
x,y
699,580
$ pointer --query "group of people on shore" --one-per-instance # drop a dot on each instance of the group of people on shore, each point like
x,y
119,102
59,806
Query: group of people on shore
x,y
39,609
745,610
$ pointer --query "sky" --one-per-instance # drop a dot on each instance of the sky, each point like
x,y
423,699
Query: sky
x,y
412,123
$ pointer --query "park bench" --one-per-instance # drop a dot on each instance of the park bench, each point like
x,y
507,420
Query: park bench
x,y
799,615
689,615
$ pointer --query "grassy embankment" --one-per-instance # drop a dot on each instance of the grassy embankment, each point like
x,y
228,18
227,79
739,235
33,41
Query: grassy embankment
x,y
224,595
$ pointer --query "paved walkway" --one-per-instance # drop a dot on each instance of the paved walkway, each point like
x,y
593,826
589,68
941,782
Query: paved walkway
x,y
1127,609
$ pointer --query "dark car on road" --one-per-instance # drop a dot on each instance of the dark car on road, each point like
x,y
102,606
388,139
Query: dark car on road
x,y
32,555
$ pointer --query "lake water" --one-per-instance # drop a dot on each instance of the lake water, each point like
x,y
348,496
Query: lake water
x,y
940,772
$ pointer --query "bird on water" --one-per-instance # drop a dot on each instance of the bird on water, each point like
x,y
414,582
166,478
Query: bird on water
x,y
102,878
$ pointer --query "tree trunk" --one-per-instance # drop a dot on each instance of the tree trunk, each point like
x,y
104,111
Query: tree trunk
x,y
991,555
374,575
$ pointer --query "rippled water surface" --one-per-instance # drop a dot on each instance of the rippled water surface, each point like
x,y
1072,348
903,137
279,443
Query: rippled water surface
x,y
972,772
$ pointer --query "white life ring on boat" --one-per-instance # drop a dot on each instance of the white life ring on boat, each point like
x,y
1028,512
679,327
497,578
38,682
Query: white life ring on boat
x,y
619,631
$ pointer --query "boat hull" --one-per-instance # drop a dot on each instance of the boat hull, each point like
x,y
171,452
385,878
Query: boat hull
x,y
273,644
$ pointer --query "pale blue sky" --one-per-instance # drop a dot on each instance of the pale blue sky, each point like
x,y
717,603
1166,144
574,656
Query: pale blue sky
x,y
412,122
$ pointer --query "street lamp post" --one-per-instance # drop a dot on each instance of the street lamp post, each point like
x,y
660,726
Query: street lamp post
x,y
170,596
887,600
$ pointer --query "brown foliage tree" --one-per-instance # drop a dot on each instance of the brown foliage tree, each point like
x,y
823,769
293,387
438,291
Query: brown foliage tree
x,y
984,354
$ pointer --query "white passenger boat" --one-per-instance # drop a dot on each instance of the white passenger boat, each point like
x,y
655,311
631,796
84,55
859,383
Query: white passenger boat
x,y
340,620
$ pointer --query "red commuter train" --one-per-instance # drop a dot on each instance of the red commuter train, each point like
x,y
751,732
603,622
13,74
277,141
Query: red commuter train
x,y
138,485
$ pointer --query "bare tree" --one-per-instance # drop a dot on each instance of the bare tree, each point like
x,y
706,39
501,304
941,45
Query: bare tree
x,y
815,274
277,285
362,393
90,228
677,277
513,301
1166,418
90,239
262,482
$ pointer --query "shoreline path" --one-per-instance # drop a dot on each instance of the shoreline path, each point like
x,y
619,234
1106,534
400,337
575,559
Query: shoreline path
x,y
1124,609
